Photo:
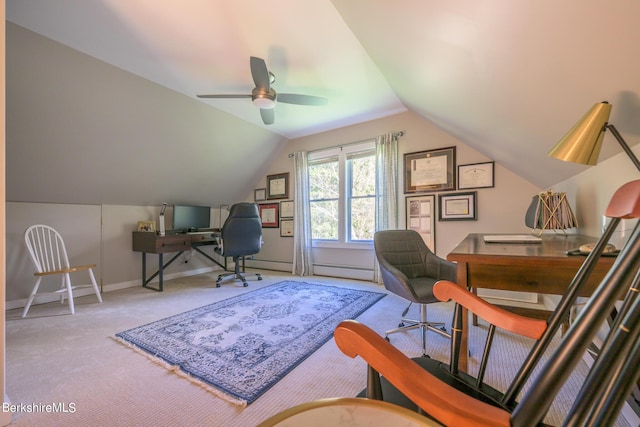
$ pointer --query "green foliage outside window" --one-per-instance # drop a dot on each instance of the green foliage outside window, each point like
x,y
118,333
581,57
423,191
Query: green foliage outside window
x,y
359,189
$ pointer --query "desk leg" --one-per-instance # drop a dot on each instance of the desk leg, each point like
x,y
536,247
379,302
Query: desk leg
x,y
144,269
464,339
159,273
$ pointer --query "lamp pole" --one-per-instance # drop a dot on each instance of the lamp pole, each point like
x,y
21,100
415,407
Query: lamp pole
x,y
624,145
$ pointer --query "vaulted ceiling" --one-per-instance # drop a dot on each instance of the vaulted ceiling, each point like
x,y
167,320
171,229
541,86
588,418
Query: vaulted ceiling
x,y
506,77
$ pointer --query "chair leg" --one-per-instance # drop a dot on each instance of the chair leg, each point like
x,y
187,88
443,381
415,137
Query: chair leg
x,y
31,297
95,285
237,274
63,286
67,277
423,324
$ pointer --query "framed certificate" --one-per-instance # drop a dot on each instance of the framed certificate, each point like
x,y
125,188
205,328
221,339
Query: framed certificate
x,y
269,215
286,209
286,228
431,170
278,186
260,194
457,207
421,218
476,175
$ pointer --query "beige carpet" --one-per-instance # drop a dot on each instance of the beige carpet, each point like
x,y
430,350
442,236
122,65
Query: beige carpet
x,y
55,358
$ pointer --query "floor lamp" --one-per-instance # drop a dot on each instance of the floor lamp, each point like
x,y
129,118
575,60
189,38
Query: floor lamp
x,y
583,142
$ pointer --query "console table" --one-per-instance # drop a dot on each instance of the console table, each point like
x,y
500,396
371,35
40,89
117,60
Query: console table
x,y
152,243
543,267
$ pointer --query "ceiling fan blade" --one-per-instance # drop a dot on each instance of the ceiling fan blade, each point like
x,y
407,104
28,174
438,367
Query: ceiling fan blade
x,y
259,72
223,96
268,115
294,98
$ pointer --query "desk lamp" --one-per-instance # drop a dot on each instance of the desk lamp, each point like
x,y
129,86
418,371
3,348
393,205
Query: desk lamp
x,y
583,142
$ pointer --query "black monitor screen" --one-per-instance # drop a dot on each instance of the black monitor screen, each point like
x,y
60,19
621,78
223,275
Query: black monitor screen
x,y
191,218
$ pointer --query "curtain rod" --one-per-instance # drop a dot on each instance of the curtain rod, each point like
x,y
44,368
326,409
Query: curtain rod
x,y
395,134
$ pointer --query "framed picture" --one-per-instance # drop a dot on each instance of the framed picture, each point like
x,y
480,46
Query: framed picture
x,y
286,209
476,175
260,194
278,186
421,218
269,215
457,207
286,228
146,226
432,170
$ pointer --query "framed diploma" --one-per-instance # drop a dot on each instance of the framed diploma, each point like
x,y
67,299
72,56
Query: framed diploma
x,y
421,218
260,194
476,175
286,228
269,215
457,207
278,186
432,170
286,209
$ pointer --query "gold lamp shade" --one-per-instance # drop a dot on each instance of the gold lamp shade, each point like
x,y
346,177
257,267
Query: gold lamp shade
x,y
583,142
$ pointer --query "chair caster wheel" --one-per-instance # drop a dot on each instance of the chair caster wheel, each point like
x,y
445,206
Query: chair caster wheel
x,y
401,325
217,285
245,284
259,277
387,339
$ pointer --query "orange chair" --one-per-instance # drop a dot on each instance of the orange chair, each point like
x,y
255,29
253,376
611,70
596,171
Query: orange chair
x,y
454,398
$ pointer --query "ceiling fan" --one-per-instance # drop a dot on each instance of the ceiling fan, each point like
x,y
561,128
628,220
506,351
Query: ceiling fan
x,y
264,96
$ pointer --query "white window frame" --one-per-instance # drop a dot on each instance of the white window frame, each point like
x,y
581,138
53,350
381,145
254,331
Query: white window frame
x,y
342,153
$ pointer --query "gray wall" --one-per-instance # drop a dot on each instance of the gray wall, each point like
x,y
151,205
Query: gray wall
x,y
82,131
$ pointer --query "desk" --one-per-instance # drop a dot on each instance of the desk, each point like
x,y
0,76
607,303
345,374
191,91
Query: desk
x,y
153,243
527,267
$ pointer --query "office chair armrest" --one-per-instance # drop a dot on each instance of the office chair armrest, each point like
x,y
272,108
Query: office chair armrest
x,y
441,401
445,290
440,268
449,270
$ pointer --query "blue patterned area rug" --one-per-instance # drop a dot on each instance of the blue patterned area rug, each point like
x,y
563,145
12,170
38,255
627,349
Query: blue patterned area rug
x,y
243,345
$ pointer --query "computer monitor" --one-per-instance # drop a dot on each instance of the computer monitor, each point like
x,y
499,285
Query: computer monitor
x,y
191,218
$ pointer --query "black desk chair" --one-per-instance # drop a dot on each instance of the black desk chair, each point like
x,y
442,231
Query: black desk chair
x,y
409,269
241,236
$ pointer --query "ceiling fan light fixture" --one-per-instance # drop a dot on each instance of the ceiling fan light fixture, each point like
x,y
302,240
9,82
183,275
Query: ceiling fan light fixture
x,y
264,99
263,102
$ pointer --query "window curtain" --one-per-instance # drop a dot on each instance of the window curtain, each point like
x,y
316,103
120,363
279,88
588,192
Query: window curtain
x,y
302,247
386,187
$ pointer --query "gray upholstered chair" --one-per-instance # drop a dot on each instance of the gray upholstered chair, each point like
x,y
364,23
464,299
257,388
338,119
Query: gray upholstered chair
x,y
241,236
409,269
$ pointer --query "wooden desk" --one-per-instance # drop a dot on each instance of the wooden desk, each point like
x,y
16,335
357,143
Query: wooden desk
x,y
526,267
147,242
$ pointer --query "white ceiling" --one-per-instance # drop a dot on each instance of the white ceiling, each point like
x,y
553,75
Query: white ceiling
x,y
505,77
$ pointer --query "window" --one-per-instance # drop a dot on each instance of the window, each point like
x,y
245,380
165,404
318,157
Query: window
x,y
342,194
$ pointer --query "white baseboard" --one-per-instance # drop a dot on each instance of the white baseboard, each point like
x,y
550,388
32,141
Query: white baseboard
x,y
21,303
344,272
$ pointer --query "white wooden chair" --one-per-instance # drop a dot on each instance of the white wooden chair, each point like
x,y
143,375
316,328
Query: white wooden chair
x,y
47,250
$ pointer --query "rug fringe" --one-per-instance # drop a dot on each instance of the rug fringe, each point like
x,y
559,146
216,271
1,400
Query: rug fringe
x,y
176,370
